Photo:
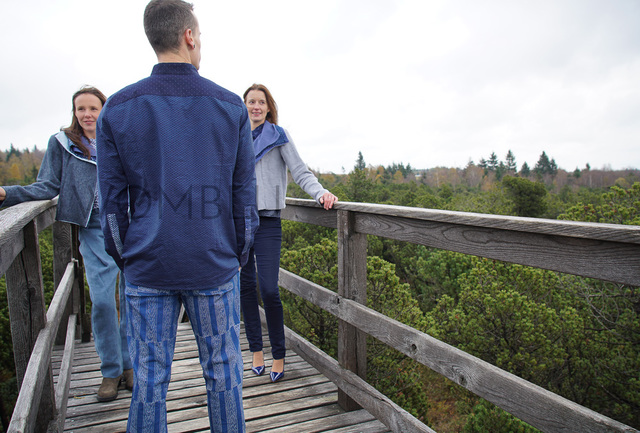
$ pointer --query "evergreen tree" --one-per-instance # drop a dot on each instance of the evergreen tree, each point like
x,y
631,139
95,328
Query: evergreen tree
x,y
360,165
501,170
358,186
619,206
493,162
545,165
528,197
13,151
408,170
488,418
525,171
391,170
511,162
577,173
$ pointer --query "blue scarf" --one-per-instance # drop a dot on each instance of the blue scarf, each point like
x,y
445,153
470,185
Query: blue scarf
x,y
266,137
89,144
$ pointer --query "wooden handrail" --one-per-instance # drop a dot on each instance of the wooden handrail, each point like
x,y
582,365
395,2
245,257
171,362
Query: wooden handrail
x,y
566,246
541,226
39,407
609,252
64,376
14,220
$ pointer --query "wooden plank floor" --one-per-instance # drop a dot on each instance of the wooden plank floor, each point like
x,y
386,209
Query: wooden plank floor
x,y
303,401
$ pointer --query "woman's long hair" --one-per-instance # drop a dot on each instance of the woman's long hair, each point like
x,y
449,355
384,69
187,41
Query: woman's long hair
x,y
75,132
272,115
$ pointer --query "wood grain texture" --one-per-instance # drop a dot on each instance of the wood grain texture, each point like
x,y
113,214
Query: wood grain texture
x,y
16,217
79,293
12,222
392,415
531,403
314,215
10,250
302,396
64,377
609,252
62,255
596,258
352,284
25,295
37,383
599,231
46,218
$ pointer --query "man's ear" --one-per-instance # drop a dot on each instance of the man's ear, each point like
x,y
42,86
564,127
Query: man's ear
x,y
189,39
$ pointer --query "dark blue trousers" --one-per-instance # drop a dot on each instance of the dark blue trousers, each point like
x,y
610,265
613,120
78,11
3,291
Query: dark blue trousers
x,y
265,257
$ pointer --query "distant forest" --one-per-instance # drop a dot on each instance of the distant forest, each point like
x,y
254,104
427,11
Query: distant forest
x,y
21,167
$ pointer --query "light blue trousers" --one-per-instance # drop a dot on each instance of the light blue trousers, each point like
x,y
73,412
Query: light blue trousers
x,y
152,323
109,334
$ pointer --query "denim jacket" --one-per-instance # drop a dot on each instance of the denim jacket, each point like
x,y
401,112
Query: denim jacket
x,y
61,173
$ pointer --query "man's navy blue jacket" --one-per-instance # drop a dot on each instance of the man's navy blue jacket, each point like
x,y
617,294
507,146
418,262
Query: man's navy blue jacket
x,y
176,180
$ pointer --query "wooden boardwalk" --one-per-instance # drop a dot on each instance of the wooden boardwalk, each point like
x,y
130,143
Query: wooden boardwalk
x,y
304,401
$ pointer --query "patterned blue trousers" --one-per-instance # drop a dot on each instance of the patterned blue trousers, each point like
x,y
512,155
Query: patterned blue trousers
x,y
151,332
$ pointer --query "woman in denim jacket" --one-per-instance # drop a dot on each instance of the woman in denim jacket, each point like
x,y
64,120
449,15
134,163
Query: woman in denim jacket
x,y
69,171
275,153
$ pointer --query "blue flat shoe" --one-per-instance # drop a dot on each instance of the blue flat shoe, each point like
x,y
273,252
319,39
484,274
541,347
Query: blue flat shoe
x,y
276,376
258,370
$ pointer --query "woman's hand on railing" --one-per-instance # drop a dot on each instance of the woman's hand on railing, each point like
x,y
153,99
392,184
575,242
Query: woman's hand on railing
x,y
3,194
327,200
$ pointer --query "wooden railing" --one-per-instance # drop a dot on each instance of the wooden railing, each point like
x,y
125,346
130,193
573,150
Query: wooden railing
x,y
603,251
607,252
34,331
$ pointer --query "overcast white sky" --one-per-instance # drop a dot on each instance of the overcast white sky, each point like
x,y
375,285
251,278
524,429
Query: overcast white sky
x,y
425,82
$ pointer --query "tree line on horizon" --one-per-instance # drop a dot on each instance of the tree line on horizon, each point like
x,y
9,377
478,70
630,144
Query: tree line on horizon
x,y
487,171
21,167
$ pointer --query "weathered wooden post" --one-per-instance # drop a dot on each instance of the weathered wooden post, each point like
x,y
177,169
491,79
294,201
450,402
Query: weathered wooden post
x,y
65,249
62,254
352,284
79,293
25,294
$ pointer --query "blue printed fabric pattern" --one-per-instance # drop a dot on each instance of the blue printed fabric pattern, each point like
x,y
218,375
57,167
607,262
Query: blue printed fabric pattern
x,y
152,324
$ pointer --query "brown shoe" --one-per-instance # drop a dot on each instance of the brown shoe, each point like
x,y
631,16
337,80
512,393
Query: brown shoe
x,y
127,375
109,389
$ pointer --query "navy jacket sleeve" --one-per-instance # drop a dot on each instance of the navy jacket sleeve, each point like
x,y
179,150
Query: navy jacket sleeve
x,y
245,210
112,190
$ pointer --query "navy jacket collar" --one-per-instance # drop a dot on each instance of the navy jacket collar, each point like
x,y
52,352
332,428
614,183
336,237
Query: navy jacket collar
x,y
174,69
